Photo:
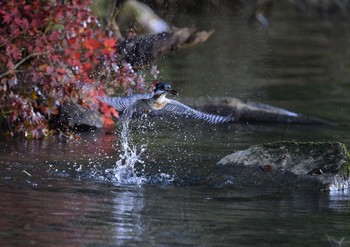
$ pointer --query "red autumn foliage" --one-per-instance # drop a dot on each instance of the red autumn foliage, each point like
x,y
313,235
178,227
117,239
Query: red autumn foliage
x,y
91,44
52,52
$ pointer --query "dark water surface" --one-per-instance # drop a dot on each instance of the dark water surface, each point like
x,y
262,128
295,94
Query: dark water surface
x,y
72,197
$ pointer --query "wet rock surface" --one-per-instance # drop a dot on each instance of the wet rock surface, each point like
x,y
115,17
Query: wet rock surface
x,y
289,165
80,118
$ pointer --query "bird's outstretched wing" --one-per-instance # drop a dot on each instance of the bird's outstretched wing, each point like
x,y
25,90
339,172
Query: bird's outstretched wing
x,y
179,108
121,103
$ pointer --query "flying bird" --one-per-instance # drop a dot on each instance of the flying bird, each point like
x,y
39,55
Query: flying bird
x,y
158,101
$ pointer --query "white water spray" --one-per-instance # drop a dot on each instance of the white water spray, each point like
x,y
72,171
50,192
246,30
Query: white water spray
x,y
125,169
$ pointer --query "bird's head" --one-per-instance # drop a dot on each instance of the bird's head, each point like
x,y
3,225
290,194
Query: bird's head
x,y
164,88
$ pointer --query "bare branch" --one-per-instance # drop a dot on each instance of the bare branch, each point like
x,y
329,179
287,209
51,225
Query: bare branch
x,y
21,62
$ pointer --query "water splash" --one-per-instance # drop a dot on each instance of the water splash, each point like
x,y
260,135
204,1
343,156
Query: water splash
x,y
125,169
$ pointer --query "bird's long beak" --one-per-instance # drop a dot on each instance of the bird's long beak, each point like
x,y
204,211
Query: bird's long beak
x,y
172,91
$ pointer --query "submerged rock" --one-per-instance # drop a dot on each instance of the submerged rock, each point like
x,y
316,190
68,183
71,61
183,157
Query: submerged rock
x,y
289,165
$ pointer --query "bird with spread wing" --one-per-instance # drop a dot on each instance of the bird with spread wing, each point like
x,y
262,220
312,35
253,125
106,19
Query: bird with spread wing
x,y
158,101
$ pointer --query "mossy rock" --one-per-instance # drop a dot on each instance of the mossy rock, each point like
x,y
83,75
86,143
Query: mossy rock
x,y
321,166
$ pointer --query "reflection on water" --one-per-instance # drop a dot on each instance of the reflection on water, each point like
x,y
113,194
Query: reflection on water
x,y
72,197
128,207
57,206
90,213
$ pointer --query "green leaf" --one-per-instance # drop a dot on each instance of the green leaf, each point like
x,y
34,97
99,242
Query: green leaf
x,y
58,26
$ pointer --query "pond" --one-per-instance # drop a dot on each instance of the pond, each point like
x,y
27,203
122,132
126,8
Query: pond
x,y
62,193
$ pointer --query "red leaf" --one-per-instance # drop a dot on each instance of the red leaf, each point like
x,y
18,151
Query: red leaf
x,y
106,51
91,44
61,70
59,14
14,12
7,18
68,52
107,122
110,43
76,55
76,62
114,112
87,66
34,23
71,41
18,21
40,44
27,7
25,24
54,36
16,30
13,51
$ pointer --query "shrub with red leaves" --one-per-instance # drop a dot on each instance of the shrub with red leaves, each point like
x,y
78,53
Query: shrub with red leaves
x,y
52,52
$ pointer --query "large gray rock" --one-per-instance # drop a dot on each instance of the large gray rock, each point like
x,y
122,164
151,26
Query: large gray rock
x,y
80,117
321,166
